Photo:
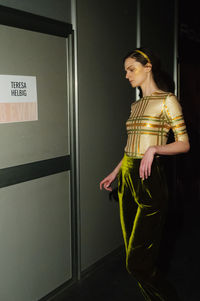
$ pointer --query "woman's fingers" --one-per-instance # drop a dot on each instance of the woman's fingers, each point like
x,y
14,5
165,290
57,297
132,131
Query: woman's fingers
x,y
102,184
106,185
142,171
145,169
149,169
106,182
146,163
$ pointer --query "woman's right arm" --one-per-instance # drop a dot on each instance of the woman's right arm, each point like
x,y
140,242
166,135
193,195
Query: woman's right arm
x,y
106,182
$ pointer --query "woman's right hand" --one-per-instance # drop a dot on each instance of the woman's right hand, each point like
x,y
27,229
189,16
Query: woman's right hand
x,y
106,182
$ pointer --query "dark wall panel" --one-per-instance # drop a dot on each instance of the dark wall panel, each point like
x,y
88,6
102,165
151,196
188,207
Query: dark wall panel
x,y
157,29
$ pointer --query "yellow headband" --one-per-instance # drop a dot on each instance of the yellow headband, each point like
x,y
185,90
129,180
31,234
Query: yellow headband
x,y
144,55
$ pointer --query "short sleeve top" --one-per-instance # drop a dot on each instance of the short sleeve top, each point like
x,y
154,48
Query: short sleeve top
x,y
151,119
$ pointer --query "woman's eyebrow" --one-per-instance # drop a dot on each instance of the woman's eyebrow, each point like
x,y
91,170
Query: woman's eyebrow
x,y
129,67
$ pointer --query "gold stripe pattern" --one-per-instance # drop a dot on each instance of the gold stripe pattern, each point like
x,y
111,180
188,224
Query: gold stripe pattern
x,y
150,121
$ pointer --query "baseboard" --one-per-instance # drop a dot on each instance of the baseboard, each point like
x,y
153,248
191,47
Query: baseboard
x,y
97,265
84,274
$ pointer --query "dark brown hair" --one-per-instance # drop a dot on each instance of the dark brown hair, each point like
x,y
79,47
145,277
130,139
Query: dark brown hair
x,y
162,78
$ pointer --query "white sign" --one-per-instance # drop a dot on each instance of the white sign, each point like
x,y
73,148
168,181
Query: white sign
x,y
17,88
18,98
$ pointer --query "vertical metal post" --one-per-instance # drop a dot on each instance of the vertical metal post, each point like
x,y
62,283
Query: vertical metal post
x,y
74,146
138,24
176,62
138,34
176,76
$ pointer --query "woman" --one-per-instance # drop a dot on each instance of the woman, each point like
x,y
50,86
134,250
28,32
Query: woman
x,y
142,187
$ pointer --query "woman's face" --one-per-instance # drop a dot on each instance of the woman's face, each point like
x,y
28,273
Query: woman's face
x,y
136,73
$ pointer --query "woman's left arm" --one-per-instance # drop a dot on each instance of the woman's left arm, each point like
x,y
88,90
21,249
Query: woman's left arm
x,y
172,111
173,148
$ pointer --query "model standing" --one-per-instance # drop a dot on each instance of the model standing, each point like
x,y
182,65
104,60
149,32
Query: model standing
x,y
142,188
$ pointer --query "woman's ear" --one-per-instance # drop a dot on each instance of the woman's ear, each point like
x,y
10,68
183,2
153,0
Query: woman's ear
x,y
148,67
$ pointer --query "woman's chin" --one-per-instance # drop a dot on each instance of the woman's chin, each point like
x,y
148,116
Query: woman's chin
x,y
133,85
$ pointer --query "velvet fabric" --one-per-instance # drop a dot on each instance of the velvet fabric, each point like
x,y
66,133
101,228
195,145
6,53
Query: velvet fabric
x,y
143,208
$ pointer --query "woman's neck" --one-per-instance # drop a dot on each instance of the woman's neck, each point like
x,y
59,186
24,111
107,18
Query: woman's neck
x,y
149,87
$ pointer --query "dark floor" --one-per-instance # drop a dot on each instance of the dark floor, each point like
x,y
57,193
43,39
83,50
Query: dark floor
x,y
181,262
108,282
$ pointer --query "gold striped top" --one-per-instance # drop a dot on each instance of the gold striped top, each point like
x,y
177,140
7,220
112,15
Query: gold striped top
x,y
151,119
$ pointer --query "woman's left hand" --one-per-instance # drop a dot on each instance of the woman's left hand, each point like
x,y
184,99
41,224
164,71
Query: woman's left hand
x,y
146,162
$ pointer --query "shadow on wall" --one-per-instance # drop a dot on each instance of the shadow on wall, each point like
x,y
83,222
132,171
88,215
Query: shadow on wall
x,y
189,49
188,166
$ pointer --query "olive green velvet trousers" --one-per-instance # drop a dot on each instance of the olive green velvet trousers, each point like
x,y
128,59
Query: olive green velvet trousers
x,y
143,208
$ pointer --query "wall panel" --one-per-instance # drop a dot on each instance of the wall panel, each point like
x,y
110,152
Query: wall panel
x,y
44,56
35,231
58,10
157,30
35,213
106,32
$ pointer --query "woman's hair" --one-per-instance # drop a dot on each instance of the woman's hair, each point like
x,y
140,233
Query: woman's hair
x,y
161,78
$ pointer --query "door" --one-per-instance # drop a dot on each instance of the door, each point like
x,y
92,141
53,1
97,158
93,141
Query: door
x,y
35,197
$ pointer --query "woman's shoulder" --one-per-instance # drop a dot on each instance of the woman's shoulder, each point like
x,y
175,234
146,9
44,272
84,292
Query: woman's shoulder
x,y
173,104
169,97
162,93
172,98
